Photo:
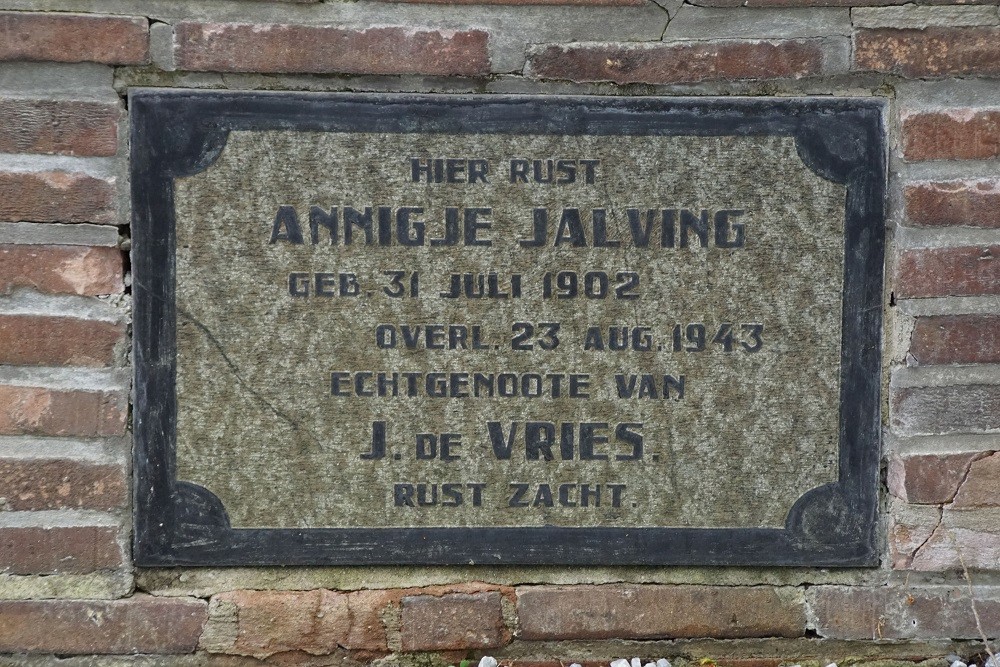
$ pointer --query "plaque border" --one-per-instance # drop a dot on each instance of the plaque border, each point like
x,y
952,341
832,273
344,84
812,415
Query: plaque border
x,y
177,133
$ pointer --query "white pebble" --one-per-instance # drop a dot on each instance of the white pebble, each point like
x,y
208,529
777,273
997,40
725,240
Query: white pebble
x,y
650,664
576,664
636,662
958,663
663,662
621,663
487,661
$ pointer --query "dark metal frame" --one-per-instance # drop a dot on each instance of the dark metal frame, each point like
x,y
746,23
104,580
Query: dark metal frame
x,y
178,133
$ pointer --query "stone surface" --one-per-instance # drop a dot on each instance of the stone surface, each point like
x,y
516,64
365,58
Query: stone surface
x,y
902,613
308,431
958,271
953,134
56,196
61,269
140,624
64,549
313,49
929,52
52,341
653,612
453,621
971,203
677,63
43,484
73,38
956,339
972,408
43,411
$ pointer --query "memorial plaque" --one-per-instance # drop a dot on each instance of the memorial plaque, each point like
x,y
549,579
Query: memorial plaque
x,y
435,329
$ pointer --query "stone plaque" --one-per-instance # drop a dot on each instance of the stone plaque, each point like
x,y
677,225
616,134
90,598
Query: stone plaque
x,y
416,329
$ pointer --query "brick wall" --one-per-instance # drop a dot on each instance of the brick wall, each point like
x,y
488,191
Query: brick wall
x,y
67,586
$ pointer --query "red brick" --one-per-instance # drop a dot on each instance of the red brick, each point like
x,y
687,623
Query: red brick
x,y
902,613
954,134
928,479
42,411
973,408
54,341
954,203
46,484
140,624
956,339
317,622
56,196
453,622
62,269
928,52
64,550
654,612
74,38
61,127
980,486
677,63
227,47
963,271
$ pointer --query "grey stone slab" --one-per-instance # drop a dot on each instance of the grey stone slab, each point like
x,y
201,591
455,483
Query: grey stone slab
x,y
36,233
922,16
64,378
57,80
709,23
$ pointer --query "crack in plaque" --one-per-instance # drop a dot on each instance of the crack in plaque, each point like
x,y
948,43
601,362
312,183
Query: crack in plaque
x,y
296,426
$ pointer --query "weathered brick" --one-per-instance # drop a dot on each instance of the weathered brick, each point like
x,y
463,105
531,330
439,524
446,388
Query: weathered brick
x,y
952,539
140,624
58,126
954,203
973,408
316,622
52,341
927,478
953,134
43,411
652,612
74,38
45,484
453,622
956,339
56,196
228,47
980,489
903,613
677,63
962,271
62,269
929,52
60,550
